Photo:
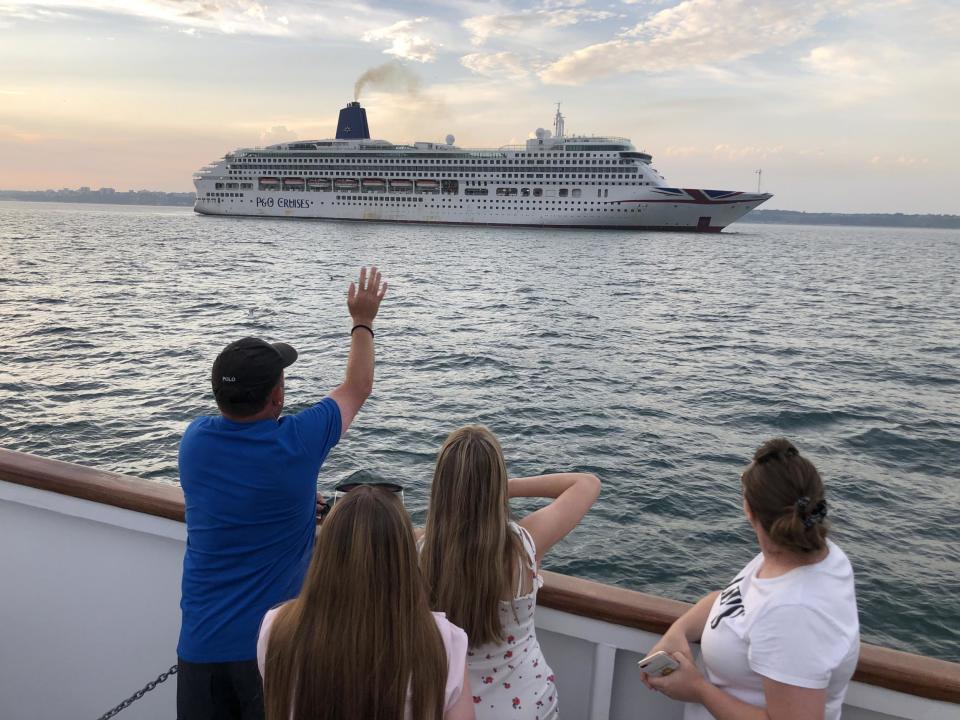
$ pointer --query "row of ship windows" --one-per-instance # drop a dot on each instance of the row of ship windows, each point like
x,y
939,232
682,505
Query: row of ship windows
x,y
534,176
387,198
494,170
492,176
496,164
410,203
362,200
239,177
502,191
490,207
469,191
390,158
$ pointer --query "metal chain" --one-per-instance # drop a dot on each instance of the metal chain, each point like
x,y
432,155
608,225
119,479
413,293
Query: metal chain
x,y
140,693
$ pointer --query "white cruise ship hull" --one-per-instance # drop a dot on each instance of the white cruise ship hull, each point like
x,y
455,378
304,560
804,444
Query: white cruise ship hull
x,y
641,209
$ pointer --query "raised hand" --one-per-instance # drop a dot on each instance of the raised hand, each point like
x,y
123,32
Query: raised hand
x,y
363,299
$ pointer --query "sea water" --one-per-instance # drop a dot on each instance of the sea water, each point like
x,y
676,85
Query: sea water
x,y
658,361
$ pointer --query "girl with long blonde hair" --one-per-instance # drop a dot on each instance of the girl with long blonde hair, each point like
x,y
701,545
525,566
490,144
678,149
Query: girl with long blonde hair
x,y
359,641
482,569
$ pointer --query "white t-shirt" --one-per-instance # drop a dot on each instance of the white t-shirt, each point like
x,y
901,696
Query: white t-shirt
x,y
800,629
454,642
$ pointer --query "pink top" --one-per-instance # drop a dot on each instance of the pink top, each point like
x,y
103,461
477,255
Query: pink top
x,y
454,641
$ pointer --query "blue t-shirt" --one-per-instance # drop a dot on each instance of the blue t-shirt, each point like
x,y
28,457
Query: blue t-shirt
x,y
251,500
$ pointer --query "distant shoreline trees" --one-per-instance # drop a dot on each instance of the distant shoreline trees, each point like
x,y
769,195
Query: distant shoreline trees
x,y
103,195
795,217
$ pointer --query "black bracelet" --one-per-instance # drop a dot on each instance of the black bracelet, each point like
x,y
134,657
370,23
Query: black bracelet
x,y
365,327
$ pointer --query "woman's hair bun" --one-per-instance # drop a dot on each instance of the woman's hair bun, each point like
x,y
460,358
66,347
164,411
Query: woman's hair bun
x,y
777,448
787,497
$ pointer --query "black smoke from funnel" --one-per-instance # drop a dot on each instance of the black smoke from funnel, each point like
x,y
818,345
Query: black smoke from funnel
x,y
389,76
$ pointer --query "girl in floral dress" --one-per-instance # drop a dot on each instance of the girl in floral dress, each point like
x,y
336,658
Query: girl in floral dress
x,y
482,569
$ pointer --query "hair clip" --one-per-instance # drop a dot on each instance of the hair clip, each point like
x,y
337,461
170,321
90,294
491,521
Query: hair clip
x,y
818,515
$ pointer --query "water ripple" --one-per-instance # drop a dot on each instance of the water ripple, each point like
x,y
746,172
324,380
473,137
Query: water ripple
x,y
657,361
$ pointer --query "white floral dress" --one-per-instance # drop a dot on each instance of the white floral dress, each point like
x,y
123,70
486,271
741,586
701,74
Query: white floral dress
x,y
512,681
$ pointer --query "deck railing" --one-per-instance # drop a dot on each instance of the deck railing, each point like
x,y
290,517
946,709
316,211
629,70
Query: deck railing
x,y
882,667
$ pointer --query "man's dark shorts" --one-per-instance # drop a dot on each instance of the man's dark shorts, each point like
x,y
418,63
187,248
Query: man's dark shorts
x,y
219,691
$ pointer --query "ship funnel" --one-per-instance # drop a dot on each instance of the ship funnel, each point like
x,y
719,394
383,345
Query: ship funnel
x,y
353,123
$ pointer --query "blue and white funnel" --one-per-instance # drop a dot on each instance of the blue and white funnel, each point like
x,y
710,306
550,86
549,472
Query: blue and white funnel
x,y
353,123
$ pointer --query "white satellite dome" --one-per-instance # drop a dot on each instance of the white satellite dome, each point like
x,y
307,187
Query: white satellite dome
x,y
541,134
450,139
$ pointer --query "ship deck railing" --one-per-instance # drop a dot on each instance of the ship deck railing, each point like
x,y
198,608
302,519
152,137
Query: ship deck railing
x,y
91,564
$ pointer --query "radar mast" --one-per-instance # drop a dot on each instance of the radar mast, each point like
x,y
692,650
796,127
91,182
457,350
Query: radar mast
x,y
558,123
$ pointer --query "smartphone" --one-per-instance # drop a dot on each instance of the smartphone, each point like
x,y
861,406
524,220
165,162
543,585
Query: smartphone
x,y
660,663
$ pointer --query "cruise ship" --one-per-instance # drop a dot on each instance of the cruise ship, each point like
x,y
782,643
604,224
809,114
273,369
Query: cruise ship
x,y
551,181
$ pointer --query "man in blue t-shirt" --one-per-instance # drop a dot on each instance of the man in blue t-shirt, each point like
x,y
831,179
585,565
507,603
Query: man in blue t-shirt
x,y
249,481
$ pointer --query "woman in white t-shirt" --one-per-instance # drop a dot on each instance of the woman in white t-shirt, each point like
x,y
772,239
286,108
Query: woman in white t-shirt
x,y
782,639
359,641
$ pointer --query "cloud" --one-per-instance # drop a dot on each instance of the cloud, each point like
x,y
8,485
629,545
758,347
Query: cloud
x,y
743,152
483,27
228,16
857,71
19,135
695,33
900,161
34,11
724,151
856,61
503,65
681,151
278,18
405,41
277,134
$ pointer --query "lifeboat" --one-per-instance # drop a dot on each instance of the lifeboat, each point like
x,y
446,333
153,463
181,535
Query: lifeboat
x,y
319,183
269,183
401,185
345,184
375,184
293,183
429,186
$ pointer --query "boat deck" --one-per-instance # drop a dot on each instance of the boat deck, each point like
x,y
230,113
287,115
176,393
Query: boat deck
x,y
91,563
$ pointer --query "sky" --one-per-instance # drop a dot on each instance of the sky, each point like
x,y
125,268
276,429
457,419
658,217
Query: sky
x,y
845,105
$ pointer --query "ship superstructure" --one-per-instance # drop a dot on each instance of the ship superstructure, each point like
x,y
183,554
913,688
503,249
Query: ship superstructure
x,y
551,181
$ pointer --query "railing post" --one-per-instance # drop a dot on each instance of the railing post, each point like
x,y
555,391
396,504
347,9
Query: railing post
x,y
604,660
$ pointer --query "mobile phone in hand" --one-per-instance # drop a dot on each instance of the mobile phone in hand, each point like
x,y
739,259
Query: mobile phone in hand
x,y
660,663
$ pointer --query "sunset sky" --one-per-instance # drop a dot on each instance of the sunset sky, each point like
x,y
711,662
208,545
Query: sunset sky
x,y
846,105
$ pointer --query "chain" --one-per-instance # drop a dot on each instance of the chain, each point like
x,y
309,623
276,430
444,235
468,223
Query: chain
x,y
139,693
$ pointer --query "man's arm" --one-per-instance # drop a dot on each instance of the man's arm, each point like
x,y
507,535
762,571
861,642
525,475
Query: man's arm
x,y
363,302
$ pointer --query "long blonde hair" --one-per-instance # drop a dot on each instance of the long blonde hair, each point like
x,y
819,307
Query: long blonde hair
x,y
469,556
360,635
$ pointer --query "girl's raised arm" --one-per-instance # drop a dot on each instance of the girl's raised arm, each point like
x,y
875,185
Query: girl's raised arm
x,y
574,494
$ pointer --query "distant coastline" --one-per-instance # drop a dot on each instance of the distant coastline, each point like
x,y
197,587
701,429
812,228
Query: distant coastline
x,y
105,195
796,217
111,196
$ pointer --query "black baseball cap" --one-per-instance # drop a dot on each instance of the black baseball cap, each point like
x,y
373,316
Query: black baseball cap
x,y
247,367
